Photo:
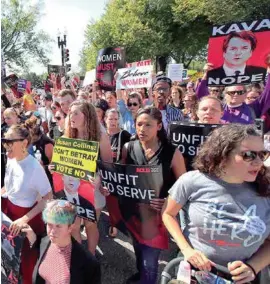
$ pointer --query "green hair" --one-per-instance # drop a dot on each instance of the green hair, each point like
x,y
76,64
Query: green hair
x,y
59,212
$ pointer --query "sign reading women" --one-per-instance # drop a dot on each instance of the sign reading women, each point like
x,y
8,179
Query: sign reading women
x,y
109,60
238,52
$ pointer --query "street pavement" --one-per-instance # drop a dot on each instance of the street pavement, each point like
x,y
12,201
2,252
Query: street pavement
x,y
116,255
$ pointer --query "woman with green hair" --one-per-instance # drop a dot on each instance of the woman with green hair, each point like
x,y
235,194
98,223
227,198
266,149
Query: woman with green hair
x,y
61,258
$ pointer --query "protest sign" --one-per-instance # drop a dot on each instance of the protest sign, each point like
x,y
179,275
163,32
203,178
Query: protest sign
x,y
134,77
238,52
175,72
10,253
21,87
131,189
90,77
78,192
109,60
12,82
185,74
188,137
140,63
75,157
57,69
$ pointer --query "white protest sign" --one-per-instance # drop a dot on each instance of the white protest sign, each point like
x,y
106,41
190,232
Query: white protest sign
x,y
90,77
140,63
175,72
134,77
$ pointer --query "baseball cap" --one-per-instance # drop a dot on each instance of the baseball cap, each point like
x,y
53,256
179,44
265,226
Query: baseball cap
x,y
161,79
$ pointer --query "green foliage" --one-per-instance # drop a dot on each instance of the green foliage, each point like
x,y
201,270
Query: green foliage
x,y
21,42
176,28
36,80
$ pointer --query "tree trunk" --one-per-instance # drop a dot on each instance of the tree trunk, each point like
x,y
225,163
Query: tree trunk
x,y
161,63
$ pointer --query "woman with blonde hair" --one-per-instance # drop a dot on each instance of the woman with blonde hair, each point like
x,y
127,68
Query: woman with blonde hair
x,y
84,124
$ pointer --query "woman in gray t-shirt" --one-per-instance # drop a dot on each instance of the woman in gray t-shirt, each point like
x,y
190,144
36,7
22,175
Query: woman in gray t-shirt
x,y
226,203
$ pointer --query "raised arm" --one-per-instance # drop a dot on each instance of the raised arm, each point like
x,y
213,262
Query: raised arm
x,y
202,89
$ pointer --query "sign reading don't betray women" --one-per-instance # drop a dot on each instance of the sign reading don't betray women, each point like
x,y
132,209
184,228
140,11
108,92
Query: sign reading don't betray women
x,y
75,157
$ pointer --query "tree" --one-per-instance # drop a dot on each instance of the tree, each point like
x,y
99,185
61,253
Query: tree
x,y
21,42
36,80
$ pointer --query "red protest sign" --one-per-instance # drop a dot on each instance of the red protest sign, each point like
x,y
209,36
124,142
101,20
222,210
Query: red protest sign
x,y
238,52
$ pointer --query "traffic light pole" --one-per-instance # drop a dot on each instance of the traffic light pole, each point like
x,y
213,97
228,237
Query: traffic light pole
x,y
62,44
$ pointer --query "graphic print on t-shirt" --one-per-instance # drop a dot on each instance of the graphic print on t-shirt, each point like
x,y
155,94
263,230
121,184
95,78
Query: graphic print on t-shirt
x,y
245,231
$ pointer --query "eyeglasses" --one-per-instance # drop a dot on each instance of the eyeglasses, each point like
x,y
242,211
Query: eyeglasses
x,y
215,90
240,93
10,142
58,118
249,156
132,104
162,90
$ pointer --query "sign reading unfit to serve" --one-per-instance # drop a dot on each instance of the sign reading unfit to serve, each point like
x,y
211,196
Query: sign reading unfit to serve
x,y
75,157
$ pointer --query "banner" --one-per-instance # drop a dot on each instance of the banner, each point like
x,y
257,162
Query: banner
x,y
75,157
90,77
134,77
188,137
175,72
109,60
238,52
131,189
140,63
10,253
78,192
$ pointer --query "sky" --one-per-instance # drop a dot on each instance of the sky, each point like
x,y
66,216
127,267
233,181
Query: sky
x,y
72,16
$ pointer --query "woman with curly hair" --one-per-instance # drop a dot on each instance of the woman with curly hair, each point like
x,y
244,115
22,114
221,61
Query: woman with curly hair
x,y
226,201
84,124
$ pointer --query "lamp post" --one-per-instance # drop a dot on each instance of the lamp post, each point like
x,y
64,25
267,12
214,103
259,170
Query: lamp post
x,y
61,44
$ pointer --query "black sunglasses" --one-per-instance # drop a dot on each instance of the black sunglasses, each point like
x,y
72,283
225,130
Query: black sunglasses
x,y
240,93
250,156
11,141
132,104
58,118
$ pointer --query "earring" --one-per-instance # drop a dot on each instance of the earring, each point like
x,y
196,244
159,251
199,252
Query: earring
x,y
23,150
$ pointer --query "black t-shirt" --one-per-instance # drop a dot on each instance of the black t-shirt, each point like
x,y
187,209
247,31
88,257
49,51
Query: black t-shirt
x,y
123,137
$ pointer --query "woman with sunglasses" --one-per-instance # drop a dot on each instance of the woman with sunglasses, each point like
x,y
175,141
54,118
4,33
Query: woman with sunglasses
x,y
25,192
151,147
59,128
83,124
129,110
226,201
61,258
235,108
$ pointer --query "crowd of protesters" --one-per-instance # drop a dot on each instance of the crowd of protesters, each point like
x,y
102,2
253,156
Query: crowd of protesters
x,y
131,127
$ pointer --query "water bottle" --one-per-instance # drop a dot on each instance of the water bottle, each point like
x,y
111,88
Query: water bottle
x,y
38,155
184,272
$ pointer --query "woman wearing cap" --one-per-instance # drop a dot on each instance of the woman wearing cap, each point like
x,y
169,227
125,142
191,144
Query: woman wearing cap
x,y
25,184
61,258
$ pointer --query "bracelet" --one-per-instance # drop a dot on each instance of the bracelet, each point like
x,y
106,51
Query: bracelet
x,y
253,270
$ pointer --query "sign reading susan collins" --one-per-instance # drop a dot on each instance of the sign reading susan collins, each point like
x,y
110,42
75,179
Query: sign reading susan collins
x,y
75,157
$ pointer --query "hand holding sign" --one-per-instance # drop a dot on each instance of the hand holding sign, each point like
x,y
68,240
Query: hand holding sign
x,y
207,67
16,226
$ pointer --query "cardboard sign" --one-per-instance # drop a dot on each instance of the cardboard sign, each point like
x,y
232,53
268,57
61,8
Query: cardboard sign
x,y
74,157
140,63
90,77
175,72
109,60
134,77
238,52
78,192
188,137
131,189
57,69
10,253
